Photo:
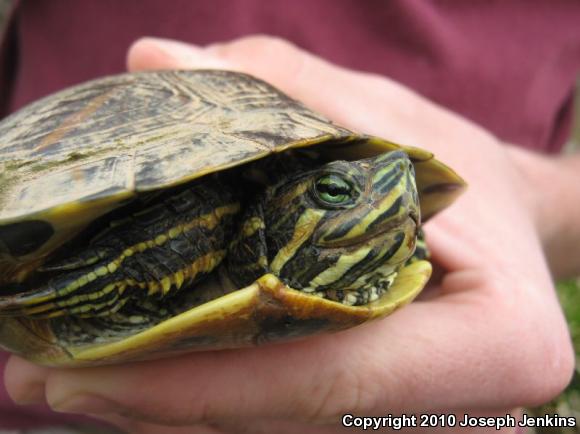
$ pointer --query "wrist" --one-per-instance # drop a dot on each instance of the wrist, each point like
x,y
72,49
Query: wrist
x,y
550,187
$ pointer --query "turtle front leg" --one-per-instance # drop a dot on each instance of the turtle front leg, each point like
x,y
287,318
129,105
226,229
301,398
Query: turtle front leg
x,y
155,252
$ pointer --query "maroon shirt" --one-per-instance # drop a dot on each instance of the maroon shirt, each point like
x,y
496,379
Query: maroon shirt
x,y
509,65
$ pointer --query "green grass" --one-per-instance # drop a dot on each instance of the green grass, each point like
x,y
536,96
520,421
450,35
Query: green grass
x,y
569,294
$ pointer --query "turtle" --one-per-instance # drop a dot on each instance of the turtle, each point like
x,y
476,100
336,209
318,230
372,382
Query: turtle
x,y
147,214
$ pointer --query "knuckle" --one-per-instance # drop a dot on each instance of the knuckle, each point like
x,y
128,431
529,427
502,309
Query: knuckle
x,y
542,359
534,352
550,367
276,59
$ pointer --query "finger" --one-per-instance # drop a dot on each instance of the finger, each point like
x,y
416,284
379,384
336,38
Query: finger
x,y
155,53
24,381
369,103
293,70
132,426
212,386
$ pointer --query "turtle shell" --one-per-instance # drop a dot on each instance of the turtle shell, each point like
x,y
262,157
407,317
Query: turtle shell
x,y
78,154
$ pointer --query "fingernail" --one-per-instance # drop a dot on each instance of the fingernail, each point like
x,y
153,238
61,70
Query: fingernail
x,y
188,55
86,404
32,394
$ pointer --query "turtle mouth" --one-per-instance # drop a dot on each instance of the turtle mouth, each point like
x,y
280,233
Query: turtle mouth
x,y
374,286
377,233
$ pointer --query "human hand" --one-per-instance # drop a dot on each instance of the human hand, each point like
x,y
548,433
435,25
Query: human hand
x,y
488,337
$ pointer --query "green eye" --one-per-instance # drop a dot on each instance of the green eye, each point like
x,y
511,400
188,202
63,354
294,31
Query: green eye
x,y
333,190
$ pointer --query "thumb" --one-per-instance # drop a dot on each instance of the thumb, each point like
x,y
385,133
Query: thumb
x,y
155,53
363,102
340,94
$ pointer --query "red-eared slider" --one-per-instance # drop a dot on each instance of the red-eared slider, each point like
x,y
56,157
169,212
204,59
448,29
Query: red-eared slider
x,y
151,213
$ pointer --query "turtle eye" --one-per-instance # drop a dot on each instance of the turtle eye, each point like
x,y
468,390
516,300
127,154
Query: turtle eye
x,y
333,190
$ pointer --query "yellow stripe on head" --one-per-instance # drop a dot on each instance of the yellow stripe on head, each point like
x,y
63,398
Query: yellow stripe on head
x,y
344,263
304,227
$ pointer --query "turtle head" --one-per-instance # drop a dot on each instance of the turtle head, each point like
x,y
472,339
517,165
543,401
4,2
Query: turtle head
x,y
342,230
